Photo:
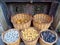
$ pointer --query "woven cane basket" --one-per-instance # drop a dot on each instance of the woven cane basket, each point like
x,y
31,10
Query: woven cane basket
x,y
24,21
42,21
33,42
17,42
42,42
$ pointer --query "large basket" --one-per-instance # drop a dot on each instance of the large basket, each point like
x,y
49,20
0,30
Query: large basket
x,y
21,16
42,21
33,42
17,42
42,42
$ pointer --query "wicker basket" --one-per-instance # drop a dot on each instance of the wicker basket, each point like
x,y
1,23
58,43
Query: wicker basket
x,y
42,21
33,42
42,42
17,42
21,16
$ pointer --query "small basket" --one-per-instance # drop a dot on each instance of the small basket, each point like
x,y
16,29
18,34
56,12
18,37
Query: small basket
x,y
17,42
42,42
33,42
42,21
21,16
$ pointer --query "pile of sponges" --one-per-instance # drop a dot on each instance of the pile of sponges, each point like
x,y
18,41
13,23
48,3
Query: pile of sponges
x,y
11,36
29,34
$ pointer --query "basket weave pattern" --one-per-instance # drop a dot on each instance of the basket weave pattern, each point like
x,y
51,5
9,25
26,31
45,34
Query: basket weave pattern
x,y
21,16
42,42
41,26
22,26
17,42
33,42
42,21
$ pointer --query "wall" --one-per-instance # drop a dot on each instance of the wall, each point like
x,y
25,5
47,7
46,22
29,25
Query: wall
x,y
57,17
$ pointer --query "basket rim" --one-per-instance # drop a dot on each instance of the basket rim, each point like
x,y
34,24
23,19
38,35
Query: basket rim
x,y
53,33
44,22
21,13
7,31
32,40
20,24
